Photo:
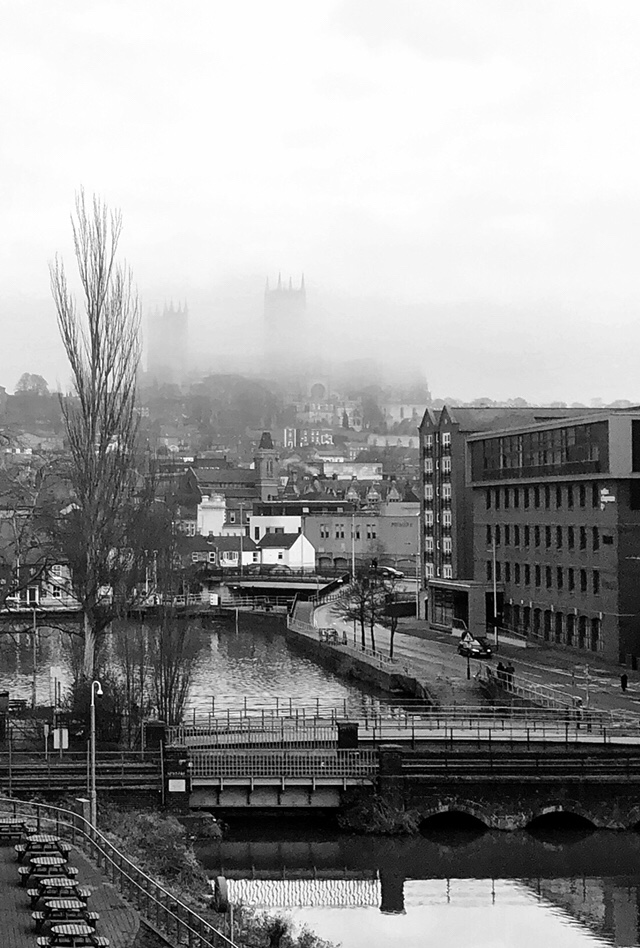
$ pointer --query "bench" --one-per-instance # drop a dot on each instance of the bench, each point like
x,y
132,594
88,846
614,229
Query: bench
x,y
25,872
45,941
40,918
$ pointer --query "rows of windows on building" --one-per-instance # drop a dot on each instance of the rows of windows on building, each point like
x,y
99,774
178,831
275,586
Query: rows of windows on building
x,y
441,493
547,497
573,629
547,537
561,578
367,531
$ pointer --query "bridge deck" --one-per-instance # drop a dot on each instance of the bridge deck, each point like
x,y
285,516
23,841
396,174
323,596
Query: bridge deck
x,y
118,922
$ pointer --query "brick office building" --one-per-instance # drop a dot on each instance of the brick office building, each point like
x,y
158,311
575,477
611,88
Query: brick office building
x,y
556,508
455,587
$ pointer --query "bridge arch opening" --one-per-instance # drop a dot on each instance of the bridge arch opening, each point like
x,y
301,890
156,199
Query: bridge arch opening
x,y
558,824
452,827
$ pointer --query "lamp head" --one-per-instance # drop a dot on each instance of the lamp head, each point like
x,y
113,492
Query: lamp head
x,y
98,687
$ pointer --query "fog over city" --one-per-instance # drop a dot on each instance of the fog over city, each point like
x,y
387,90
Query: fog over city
x,y
457,180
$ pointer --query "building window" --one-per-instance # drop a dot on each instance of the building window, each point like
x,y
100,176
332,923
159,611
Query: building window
x,y
516,574
428,441
596,582
571,540
536,536
507,498
527,574
596,644
559,618
507,535
497,535
547,497
559,577
487,498
583,538
526,498
549,577
489,571
446,465
428,466
498,571
497,498
536,497
489,535
507,572
428,491
547,537
569,503
428,518
596,539
559,537
527,536
516,497
558,497
428,544
595,496
583,495
280,556
371,531
538,576
447,571
256,532
516,535
571,581
446,491
446,439
446,545
428,571
446,518
232,517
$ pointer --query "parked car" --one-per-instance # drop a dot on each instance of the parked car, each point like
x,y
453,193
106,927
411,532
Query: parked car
x,y
277,569
472,646
389,572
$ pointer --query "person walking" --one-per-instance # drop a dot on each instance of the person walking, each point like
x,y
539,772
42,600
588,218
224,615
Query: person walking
x,y
624,681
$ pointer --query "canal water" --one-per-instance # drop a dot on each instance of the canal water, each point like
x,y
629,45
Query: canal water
x,y
253,662
499,890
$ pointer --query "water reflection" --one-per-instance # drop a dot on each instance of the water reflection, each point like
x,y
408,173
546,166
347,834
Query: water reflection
x,y
585,893
254,661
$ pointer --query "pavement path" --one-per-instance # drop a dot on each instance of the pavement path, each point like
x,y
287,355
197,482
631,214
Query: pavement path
x,y
434,660
118,922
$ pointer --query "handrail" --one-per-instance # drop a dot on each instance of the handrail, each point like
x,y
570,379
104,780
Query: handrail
x,y
159,906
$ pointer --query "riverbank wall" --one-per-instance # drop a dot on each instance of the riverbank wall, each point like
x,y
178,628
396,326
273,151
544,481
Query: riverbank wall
x,y
348,662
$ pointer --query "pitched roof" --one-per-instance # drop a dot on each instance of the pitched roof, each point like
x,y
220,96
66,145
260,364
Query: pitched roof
x,y
223,476
282,541
233,543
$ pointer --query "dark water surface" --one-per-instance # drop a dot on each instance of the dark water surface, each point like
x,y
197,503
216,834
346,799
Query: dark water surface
x,y
456,889
254,662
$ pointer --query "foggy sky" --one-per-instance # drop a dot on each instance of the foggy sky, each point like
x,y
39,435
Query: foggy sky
x,y
458,179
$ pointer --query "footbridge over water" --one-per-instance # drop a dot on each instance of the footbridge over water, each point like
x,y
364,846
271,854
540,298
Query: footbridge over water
x,y
501,766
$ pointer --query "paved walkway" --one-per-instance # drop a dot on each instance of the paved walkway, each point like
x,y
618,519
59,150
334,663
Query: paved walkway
x,y
118,922
434,661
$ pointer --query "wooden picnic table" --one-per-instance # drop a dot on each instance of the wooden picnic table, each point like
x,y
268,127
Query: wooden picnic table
x,y
39,843
73,934
45,865
13,826
52,887
64,910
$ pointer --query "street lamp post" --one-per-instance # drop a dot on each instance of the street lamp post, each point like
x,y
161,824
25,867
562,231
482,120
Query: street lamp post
x,y
96,689
241,535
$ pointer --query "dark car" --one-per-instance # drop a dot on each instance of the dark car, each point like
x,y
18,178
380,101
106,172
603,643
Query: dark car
x,y
390,572
472,646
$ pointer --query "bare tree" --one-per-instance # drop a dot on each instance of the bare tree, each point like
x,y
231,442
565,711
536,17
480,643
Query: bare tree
x,y
176,648
100,421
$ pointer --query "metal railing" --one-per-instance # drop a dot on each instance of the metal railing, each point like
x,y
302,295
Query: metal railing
x,y
340,763
256,732
162,909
